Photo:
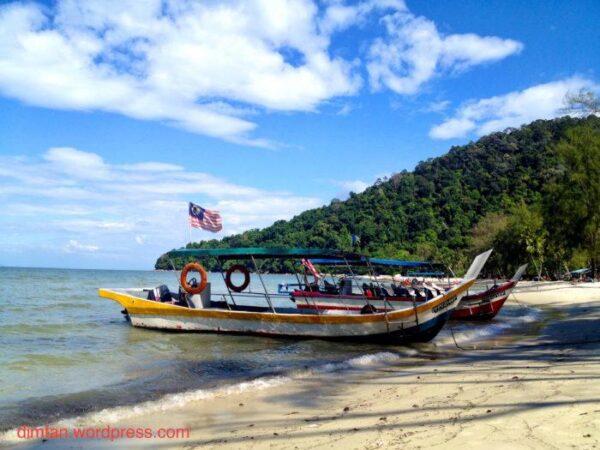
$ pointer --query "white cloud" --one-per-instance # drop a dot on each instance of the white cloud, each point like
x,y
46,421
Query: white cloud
x,y
75,246
543,101
451,128
210,67
162,60
126,214
414,52
77,163
345,109
437,107
152,167
356,186
339,16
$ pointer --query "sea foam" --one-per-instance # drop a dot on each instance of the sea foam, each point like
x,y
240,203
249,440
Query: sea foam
x,y
464,333
175,401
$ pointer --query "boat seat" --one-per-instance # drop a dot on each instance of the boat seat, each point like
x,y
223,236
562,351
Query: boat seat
x,y
346,286
400,291
330,288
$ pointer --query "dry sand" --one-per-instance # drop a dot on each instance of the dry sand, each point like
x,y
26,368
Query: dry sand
x,y
540,391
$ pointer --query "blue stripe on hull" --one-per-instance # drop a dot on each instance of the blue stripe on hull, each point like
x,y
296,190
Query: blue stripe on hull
x,y
423,332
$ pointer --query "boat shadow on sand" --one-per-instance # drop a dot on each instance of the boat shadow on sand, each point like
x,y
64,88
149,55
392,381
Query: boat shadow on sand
x,y
570,339
561,346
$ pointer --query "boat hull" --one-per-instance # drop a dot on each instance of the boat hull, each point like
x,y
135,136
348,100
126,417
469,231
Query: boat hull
x,y
423,332
480,312
485,305
412,324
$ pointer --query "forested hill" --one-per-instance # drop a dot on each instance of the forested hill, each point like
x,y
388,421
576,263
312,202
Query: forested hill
x,y
437,211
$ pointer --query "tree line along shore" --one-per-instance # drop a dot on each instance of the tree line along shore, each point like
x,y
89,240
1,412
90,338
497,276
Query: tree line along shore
x,y
532,193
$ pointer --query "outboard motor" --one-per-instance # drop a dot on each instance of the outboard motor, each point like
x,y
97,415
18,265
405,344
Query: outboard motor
x,y
160,294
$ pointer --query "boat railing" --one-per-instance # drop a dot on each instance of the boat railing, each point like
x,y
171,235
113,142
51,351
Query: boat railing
x,y
251,294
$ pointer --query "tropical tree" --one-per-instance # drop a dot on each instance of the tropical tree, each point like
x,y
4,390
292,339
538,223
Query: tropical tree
x,y
582,102
523,239
572,206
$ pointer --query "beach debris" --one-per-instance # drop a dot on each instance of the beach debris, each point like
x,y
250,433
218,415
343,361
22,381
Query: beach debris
x,y
415,406
346,408
515,377
383,418
241,404
587,435
489,411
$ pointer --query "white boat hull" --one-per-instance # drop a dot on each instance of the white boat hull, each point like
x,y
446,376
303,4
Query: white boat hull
x,y
408,324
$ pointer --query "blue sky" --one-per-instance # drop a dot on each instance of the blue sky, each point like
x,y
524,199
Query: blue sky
x,y
113,114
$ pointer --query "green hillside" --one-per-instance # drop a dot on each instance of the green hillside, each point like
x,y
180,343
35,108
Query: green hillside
x,y
500,190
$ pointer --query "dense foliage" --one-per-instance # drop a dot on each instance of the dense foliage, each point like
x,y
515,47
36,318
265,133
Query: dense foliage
x,y
495,191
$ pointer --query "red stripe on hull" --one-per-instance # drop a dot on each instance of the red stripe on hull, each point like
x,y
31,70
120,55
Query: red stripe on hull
x,y
481,311
326,307
492,292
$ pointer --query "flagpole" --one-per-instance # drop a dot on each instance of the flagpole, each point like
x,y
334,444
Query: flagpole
x,y
189,227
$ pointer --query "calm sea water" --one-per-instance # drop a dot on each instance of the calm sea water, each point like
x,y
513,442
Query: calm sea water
x,y
66,352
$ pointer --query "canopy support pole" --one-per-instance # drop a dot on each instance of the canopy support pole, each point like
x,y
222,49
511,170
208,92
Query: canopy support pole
x,y
263,284
225,282
306,286
353,277
374,275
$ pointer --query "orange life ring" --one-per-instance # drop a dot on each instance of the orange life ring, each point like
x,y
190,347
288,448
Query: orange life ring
x,y
237,268
197,267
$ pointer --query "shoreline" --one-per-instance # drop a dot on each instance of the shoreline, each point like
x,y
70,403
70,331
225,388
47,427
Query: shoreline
x,y
536,391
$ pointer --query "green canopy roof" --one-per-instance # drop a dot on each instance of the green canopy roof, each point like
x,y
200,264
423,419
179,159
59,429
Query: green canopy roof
x,y
264,252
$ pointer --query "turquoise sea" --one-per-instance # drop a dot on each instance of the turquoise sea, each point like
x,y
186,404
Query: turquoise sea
x,y
66,352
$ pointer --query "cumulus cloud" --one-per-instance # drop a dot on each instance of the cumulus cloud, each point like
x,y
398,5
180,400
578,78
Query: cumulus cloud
x,y
114,211
75,246
356,186
543,101
211,67
347,186
186,63
414,51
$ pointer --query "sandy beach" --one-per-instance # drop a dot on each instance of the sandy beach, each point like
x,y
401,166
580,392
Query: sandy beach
x,y
534,390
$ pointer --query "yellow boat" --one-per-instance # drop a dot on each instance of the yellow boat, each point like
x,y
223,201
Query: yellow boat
x,y
195,308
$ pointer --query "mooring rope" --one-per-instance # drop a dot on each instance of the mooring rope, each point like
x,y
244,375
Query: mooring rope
x,y
516,347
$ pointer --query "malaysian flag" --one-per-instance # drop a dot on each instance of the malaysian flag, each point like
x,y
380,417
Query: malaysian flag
x,y
309,265
204,218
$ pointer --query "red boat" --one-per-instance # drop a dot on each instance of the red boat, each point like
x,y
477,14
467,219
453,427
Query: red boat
x,y
351,297
485,305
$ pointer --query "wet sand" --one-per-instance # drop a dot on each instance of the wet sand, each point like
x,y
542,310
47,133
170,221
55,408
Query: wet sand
x,y
540,391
